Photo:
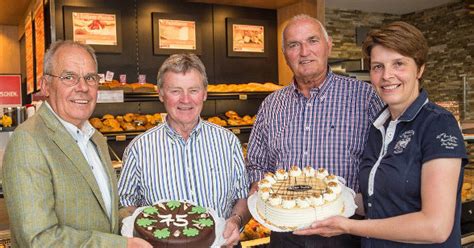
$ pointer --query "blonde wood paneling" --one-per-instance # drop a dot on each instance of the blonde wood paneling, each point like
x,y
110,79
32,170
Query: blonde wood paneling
x,y
3,215
314,8
9,49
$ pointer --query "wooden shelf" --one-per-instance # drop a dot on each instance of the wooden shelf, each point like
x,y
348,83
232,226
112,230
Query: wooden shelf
x,y
7,129
153,96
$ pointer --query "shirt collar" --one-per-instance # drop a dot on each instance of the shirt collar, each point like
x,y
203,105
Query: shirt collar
x,y
410,113
318,91
175,135
87,129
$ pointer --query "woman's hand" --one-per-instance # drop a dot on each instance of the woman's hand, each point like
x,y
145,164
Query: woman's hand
x,y
330,227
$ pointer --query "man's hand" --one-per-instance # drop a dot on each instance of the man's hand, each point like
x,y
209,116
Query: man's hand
x,y
127,211
138,243
232,231
253,188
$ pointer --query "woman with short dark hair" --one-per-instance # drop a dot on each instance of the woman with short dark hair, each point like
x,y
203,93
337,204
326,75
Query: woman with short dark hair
x,y
412,168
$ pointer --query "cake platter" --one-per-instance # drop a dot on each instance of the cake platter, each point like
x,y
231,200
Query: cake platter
x,y
128,224
347,195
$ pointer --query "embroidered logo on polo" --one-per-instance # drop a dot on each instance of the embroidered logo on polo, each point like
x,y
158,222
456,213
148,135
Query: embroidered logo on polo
x,y
447,141
403,141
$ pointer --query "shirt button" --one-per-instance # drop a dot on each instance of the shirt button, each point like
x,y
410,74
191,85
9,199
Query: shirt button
x,y
309,104
307,128
305,153
369,204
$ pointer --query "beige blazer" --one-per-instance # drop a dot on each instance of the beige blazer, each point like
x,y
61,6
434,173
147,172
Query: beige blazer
x,y
52,197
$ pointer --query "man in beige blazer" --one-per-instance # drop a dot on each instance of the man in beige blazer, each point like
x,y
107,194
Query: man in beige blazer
x,y
59,184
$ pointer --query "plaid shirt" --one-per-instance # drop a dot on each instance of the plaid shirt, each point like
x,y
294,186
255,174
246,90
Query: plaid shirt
x,y
329,129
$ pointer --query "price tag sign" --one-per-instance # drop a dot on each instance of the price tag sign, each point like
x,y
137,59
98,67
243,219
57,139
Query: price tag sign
x,y
109,76
242,97
102,78
109,96
235,130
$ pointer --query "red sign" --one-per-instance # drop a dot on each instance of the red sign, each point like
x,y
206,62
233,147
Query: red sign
x,y
10,90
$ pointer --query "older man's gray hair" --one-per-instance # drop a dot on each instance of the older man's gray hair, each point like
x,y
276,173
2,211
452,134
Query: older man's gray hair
x,y
54,47
302,17
182,63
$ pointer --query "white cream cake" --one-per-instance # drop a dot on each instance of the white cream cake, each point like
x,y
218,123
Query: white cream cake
x,y
296,198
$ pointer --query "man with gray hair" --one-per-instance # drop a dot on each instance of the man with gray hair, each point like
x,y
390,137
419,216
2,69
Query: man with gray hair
x,y
186,158
320,119
60,187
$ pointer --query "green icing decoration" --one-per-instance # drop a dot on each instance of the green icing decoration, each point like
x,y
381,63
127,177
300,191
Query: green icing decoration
x,y
173,204
143,222
197,210
204,222
150,210
162,234
190,232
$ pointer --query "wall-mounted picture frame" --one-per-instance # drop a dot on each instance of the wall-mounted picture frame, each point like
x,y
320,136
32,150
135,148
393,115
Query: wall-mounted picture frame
x,y
175,33
247,37
40,42
29,54
99,27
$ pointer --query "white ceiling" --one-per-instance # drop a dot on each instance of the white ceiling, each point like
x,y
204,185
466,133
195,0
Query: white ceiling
x,y
386,6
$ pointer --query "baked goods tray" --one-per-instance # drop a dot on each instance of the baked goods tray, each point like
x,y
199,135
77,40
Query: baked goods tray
x,y
128,224
347,196
126,135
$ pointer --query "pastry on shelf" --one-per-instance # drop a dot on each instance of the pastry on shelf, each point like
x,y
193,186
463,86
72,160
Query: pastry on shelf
x,y
249,87
218,121
127,122
254,230
116,85
129,117
231,114
6,121
111,123
233,119
96,123
108,116
143,87
127,126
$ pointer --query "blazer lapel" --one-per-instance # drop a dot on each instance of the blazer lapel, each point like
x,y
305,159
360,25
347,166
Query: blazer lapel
x,y
68,146
106,162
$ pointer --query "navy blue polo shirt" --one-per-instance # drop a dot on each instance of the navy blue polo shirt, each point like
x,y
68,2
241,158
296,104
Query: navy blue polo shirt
x,y
390,171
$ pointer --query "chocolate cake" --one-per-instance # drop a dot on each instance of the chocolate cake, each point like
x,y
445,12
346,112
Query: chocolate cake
x,y
176,224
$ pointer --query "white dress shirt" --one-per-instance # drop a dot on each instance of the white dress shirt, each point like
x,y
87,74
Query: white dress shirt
x,y
89,150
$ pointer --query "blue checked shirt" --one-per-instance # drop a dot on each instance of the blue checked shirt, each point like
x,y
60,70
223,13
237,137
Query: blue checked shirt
x,y
329,129
207,169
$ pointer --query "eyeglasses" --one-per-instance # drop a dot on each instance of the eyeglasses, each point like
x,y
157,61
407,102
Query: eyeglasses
x,y
73,79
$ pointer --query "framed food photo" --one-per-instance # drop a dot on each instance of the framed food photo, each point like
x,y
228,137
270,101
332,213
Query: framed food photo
x,y
175,33
98,27
247,37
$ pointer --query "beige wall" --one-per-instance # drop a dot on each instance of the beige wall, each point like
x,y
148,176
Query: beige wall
x,y
314,8
9,49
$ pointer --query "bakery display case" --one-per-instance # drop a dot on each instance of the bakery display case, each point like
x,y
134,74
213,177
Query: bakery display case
x,y
225,106
467,196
